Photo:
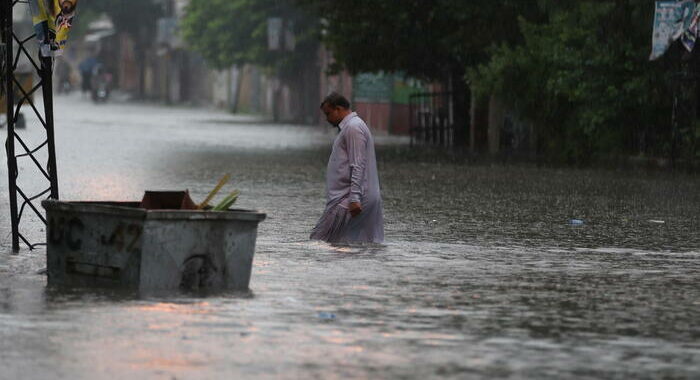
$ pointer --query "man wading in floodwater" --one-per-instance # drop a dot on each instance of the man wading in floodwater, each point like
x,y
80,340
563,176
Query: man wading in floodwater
x,y
354,208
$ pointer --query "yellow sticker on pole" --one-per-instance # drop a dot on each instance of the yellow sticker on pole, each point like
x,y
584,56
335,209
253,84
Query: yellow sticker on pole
x,y
52,21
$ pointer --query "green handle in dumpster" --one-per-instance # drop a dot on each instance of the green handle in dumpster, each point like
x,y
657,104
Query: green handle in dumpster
x,y
211,195
227,202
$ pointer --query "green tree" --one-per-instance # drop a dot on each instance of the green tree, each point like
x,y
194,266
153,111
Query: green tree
x,y
136,17
234,32
583,77
435,40
425,39
578,69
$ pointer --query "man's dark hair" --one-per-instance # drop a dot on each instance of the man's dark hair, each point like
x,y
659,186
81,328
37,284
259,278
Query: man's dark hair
x,y
334,99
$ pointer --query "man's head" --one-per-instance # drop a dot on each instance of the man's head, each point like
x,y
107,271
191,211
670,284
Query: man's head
x,y
335,107
68,6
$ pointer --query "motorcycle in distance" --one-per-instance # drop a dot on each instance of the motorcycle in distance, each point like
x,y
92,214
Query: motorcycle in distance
x,y
101,84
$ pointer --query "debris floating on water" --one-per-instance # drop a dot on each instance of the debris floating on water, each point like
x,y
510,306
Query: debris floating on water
x,y
576,222
326,316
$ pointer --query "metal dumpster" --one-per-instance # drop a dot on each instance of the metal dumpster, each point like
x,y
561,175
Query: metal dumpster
x,y
119,244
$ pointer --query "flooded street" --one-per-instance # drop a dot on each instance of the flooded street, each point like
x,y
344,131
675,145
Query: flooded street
x,y
482,276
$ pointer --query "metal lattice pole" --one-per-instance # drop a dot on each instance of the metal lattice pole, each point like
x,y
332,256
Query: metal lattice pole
x,y
18,96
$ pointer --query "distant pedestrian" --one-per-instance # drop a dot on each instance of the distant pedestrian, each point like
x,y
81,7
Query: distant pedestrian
x,y
354,204
62,71
86,68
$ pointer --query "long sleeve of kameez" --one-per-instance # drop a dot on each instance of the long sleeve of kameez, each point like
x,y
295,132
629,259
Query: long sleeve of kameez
x,y
356,144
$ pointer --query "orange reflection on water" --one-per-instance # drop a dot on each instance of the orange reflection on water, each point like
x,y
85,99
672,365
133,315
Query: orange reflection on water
x,y
262,263
338,340
147,359
172,362
356,349
164,326
108,187
175,308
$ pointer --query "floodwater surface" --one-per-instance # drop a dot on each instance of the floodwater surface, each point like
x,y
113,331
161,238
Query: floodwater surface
x,y
488,271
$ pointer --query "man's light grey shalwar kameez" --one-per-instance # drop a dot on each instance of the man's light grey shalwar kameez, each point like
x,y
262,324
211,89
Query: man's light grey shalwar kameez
x,y
352,176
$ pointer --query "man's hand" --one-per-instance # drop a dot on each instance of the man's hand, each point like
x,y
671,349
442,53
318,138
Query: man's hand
x,y
355,209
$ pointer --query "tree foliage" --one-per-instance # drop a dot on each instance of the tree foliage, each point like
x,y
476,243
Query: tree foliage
x,y
578,70
425,39
583,77
135,17
228,32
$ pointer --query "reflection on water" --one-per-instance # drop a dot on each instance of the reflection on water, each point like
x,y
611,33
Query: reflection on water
x,y
105,186
482,275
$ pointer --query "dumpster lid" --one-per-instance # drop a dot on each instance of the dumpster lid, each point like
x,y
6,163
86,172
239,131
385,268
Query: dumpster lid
x,y
167,200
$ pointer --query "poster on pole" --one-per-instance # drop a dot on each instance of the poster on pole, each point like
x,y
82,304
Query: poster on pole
x,y
690,33
671,19
274,33
52,21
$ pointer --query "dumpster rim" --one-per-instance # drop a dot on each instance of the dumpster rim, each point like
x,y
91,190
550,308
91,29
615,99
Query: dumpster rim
x,y
113,208
94,207
243,215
